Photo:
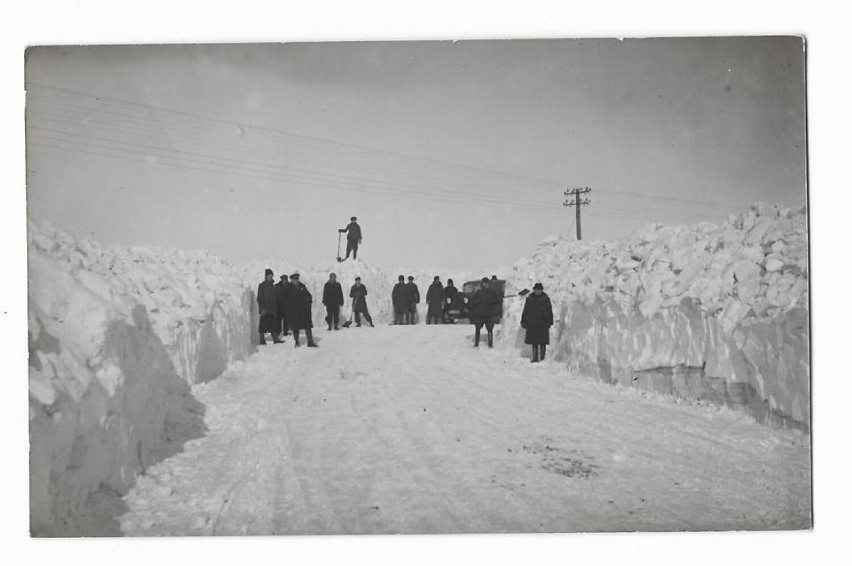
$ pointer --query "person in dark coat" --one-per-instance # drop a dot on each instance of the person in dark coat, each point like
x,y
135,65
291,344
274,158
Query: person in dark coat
x,y
413,300
298,303
435,300
450,292
268,307
353,238
280,292
359,302
536,319
484,310
399,298
332,298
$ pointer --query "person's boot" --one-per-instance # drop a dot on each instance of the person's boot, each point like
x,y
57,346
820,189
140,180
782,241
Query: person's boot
x,y
476,339
276,339
262,339
370,321
490,339
535,354
296,338
310,337
542,349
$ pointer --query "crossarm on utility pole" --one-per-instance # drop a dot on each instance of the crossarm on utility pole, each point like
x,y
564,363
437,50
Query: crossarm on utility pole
x,y
577,202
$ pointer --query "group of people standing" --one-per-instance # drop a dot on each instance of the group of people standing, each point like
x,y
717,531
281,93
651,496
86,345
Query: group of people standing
x,y
284,306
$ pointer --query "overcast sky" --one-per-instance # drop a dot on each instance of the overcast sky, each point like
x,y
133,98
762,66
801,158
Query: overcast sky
x,y
450,154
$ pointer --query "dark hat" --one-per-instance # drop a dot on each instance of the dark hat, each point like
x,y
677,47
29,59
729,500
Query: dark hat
x,y
268,271
353,218
436,278
410,277
332,274
294,276
538,286
493,277
283,277
449,280
486,280
401,277
357,279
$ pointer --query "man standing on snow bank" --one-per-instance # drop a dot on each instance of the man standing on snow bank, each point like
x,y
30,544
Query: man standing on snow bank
x,y
435,300
268,307
353,238
332,298
399,298
280,293
484,309
536,319
298,303
413,300
359,302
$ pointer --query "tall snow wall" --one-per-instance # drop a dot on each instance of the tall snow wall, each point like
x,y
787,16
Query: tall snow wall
x,y
710,313
116,338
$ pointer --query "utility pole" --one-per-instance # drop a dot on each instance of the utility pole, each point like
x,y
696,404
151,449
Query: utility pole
x,y
576,202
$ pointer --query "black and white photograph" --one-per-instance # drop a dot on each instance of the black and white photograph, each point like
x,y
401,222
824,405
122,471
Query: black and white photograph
x,y
420,287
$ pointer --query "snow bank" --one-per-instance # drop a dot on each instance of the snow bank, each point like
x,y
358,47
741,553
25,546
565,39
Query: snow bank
x,y
116,337
706,312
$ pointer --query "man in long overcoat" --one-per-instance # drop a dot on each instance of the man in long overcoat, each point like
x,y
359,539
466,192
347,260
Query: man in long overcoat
x,y
450,292
435,300
353,238
358,292
298,301
268,307
484,310
537,318
399,298
332,298
413,300
281,292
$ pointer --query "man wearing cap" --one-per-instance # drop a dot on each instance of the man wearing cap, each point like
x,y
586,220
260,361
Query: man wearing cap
x,y
268,307
399,298
332,298
536,319
413,300
450,293
435,300
281,289
484,309
353,238
359,302
298,303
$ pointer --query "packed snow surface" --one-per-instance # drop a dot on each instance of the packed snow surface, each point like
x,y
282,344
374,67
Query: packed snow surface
x,y
401,429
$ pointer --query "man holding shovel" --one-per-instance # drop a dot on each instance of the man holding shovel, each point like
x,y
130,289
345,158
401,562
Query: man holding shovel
x,y
359,304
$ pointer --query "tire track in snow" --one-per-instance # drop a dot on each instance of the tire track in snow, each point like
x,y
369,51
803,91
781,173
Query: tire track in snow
x,y
410,429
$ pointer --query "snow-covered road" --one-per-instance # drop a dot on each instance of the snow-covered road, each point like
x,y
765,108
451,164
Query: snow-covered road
x,y
411,430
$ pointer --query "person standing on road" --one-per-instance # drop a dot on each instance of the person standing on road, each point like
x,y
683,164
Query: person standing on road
x,y
353,238
449,294
413,300
280,292
484,309
298,303
399,298
332,298
435,300
536,319
359,302
268,307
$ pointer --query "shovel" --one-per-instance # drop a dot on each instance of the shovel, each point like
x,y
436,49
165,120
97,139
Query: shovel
x,y
348,323
339,259
523,293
